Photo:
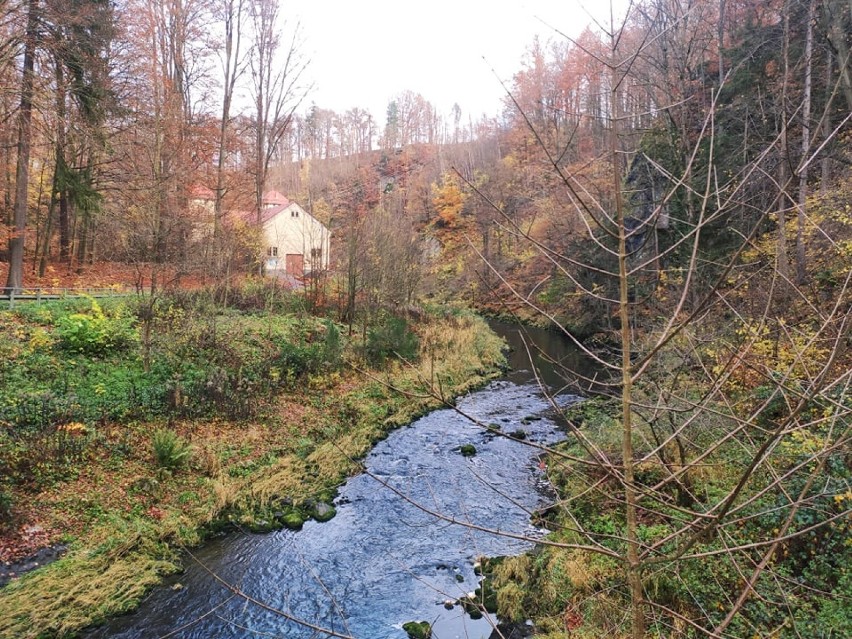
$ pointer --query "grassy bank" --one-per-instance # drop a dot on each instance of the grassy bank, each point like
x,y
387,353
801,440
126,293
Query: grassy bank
x,y
249,419
580,593
744,477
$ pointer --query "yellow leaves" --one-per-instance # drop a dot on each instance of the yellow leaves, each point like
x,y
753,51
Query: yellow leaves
x,y
839,499
448,200
802,442
510,162
73,428
762,351
844,249
669,281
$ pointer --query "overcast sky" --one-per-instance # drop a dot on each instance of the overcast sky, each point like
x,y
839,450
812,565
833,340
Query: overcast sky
x,y
364,52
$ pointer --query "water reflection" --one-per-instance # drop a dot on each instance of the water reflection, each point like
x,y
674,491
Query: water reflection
x,y
559,364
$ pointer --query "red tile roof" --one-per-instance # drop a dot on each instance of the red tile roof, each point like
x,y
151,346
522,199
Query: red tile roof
x,y
275,198
201,192
250,217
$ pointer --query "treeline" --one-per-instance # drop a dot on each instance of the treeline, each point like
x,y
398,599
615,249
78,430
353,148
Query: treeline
x,y
752,96
322,134
117,113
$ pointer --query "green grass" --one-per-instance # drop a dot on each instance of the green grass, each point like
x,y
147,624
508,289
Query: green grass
x,y
123,554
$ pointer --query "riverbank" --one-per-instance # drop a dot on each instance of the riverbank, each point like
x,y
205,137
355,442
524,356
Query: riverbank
x,y
125,516
730,425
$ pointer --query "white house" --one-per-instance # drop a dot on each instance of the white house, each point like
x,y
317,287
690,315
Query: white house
x,y
297,243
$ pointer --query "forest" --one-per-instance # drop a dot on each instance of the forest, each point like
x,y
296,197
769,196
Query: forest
x,y
670,191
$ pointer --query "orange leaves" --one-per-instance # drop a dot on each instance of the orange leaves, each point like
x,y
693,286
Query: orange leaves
x,y
448,200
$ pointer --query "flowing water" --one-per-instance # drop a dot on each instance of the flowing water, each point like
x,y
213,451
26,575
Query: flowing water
x,y
383,560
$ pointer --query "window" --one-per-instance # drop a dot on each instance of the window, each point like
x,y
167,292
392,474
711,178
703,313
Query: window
x,y
272,251
294,213
316,253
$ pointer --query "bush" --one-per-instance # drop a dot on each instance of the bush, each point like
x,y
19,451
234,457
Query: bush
x,y
171,451
392,338
95,333
333,346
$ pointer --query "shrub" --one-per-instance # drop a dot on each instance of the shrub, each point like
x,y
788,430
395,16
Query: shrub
x,y
95,333
261,294
333,346
391,338
171,451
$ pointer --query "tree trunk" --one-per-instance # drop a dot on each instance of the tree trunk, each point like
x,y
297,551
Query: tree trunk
x,y
720,37
82,243
39,231
634,568
233,23
825,168
48,231
783,263
837,32
801,266
15,277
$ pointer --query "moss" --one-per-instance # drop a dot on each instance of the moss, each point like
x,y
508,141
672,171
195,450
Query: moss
x,y
510,602
467,450
293,519
323,511
418,629
487,595
471,606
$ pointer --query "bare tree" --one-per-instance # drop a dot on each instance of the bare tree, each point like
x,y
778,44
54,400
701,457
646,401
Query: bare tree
x,y
232,17
277,87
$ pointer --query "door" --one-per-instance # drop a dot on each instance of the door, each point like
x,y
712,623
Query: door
x,y
295,264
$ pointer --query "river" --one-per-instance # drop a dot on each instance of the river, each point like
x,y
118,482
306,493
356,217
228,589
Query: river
x,y
383,560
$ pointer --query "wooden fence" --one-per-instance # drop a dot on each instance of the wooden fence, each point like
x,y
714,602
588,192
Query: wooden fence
x,y
10,296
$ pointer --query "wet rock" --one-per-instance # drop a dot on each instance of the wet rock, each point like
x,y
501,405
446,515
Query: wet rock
x,y
467,450
418,629
322,511
261,526
293,519
512,631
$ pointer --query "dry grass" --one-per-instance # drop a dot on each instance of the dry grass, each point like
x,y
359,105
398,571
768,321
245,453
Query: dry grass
x,y
84,588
